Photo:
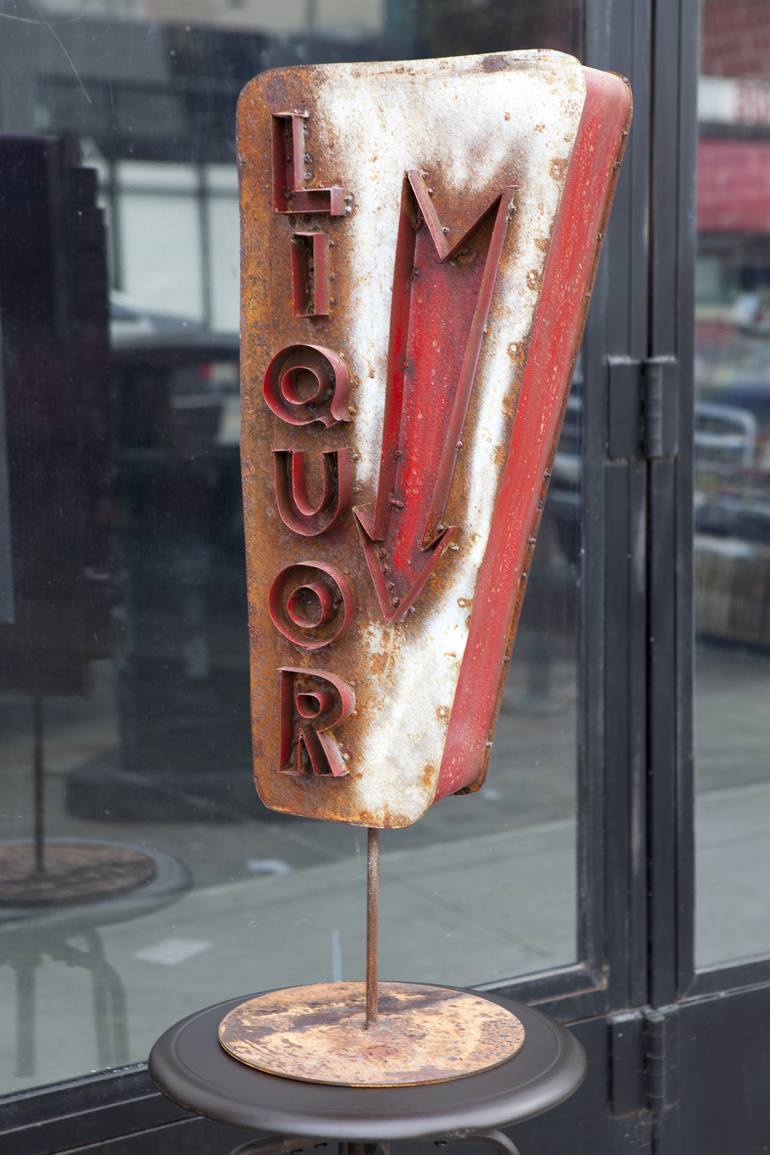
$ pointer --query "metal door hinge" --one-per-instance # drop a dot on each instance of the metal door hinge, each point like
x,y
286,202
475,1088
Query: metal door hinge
x,y
642,407
661,1058
643,1061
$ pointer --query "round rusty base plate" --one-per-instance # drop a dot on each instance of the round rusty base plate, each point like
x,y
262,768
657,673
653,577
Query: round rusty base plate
x,y
74,872
423,1034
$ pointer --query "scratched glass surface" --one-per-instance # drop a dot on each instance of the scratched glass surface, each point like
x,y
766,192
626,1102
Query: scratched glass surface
x,y
732,486
140,878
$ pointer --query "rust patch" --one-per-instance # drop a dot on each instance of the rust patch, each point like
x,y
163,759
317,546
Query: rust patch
x,y
494,63
558,169
510,401
467,255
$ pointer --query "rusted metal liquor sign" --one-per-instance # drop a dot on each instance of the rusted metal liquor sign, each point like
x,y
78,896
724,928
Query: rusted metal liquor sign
x,y
419,244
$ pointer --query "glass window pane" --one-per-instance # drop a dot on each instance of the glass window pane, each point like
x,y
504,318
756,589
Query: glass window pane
x,y
140,878
732,486
161,253
224,287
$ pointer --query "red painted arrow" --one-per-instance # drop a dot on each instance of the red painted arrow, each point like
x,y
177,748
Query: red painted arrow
x,y
442,292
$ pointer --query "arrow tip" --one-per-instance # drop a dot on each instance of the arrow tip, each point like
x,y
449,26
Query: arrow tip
x,y
397,592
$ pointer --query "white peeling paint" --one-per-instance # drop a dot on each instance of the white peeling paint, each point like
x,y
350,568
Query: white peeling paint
x,y
382,126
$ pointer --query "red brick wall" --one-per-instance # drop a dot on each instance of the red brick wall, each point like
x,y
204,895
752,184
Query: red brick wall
x,y
735,38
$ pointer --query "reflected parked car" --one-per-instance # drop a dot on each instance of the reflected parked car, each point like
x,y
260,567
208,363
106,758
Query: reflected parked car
x,y
732,479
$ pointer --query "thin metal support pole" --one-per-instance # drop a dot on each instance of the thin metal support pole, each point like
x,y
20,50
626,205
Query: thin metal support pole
x,y
38,755
372,922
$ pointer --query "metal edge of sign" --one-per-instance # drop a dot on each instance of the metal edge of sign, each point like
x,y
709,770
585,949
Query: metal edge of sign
x,y
555,339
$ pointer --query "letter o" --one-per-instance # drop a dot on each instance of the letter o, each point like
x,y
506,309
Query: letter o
x,y
311,604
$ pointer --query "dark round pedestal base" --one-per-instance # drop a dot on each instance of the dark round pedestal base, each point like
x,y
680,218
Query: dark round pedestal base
x,y
190,1066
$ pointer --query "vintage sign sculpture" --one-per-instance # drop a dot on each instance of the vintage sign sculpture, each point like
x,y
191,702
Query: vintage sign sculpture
x,y
419,242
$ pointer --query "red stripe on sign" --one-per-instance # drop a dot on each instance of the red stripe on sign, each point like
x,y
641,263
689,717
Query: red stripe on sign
x,y
556,332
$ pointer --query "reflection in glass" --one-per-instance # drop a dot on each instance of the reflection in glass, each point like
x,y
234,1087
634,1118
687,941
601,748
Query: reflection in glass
x,y
141,878
732,486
